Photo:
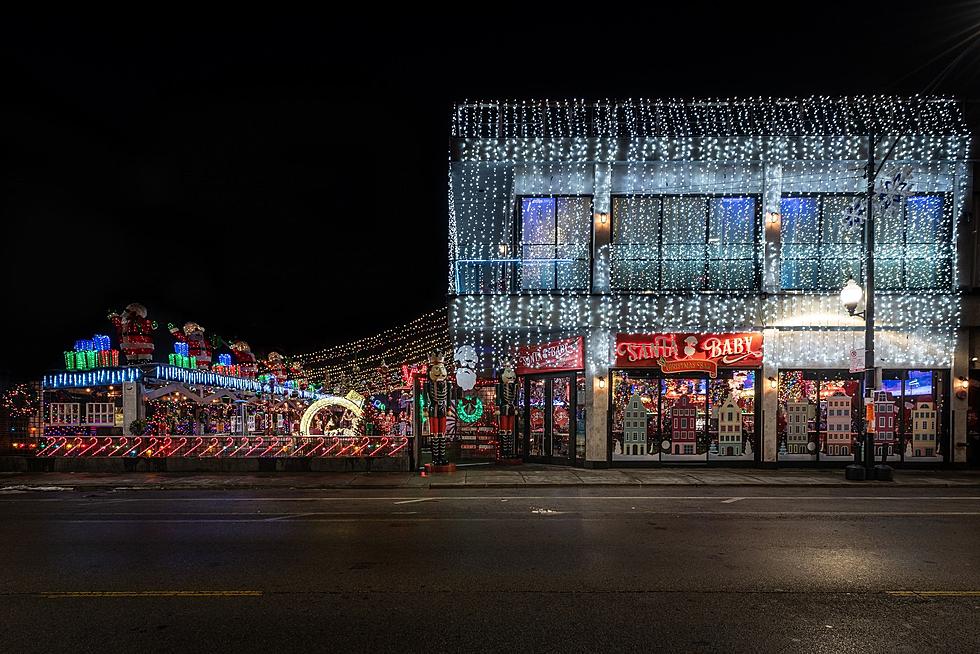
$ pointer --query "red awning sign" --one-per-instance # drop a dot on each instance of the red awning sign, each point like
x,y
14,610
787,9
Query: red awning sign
x,y
684,352
555,356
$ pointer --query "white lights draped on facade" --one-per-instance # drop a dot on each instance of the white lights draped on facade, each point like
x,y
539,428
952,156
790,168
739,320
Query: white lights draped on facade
x,y
573,218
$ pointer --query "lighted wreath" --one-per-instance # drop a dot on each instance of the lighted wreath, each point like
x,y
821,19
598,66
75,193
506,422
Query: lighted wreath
x,y
468,415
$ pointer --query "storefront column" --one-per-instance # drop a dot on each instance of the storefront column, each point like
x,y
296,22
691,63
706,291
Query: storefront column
x,y
961,368
772,222
597,399
769,398
602,225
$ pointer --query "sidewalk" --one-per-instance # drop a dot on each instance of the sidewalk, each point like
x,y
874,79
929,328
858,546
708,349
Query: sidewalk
x,y
527,476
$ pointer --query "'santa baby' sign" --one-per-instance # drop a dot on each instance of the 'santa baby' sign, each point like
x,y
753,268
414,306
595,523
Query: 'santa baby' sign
x,y
682,352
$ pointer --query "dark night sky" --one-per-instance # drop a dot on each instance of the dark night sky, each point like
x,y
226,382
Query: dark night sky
x,y
286,183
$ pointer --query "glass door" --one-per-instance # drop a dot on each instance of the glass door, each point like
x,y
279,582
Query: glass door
x,y
684,423
551,417
561,416
536,408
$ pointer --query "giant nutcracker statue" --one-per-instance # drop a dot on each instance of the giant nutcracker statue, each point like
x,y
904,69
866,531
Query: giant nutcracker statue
x,y
437,397
135,333
507,408
244,358
197,346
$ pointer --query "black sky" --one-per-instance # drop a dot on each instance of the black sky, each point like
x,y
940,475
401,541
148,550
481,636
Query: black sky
x,y
286,182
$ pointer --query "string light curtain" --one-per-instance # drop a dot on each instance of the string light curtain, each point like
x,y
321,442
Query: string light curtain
x,y
691,184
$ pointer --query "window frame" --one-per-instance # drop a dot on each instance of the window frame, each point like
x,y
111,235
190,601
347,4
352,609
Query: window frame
x,y
517,245
941,284
705,287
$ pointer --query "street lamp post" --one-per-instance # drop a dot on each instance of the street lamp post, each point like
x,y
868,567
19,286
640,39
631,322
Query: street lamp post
x,y
850,298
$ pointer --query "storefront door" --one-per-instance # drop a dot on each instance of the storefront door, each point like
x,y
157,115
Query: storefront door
x,y
551,419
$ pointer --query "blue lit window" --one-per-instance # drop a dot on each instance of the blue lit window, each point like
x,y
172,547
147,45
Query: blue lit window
x,y
689,242
913,247
555,242
817,252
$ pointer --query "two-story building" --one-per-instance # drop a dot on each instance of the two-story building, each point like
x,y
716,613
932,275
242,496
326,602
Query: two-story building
x,y
702,245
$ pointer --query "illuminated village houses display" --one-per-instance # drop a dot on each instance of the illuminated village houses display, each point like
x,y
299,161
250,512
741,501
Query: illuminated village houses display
x,y
635,427
885,427
683,427
729,419
839,436
924,429
798,415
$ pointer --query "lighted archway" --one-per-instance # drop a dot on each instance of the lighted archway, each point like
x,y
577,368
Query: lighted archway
x,y
322,403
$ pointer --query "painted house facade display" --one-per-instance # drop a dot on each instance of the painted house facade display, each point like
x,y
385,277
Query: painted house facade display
x,y
684,259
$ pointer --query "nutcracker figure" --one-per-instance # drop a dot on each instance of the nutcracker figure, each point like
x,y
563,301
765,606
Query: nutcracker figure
x,y
437,397
507,407
197,346
135,333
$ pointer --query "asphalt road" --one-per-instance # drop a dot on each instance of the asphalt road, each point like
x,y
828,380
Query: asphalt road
x,y
564,570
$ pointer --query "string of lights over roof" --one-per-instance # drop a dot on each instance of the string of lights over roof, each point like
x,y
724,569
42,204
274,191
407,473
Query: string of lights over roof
x,y
375,360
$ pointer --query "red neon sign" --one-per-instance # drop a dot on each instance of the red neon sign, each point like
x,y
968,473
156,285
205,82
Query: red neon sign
x,y
683,352
556,356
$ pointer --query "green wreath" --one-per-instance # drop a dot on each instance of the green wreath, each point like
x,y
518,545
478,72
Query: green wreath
x,y
467,416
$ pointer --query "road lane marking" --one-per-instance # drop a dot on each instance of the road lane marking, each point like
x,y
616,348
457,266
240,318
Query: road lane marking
x,y
420,499
151,593
732,500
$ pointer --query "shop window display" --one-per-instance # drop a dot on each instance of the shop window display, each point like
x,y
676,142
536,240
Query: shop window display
x,y
732,424
472,423
684,419
919,417
816,415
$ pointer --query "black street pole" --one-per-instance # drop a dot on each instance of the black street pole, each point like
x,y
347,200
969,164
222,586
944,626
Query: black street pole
x,y
869,310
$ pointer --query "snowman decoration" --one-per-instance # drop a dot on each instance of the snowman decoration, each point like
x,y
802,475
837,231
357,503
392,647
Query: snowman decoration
x,y
436,391
466,361
507,407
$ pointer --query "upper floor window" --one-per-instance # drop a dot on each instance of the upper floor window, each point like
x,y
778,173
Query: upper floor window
x,y
912,244
684,243
556,237
818,252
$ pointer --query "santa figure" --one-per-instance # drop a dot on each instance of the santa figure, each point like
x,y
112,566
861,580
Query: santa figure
x,y
135,333
437,396
244,358
507,407
197,345
276,366
298,375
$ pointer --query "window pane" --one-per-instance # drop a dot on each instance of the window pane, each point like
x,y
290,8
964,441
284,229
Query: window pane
x,y
732,220
538,220
924,218
684,230
731,238
636,220
799,220
684,220
834,228
574,220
